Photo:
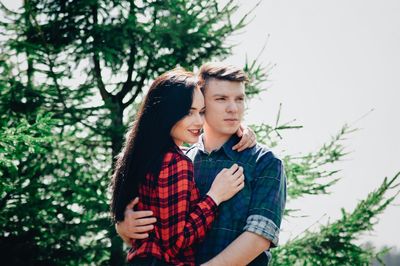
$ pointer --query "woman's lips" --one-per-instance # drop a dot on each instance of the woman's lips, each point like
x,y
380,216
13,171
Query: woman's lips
x,y
195,132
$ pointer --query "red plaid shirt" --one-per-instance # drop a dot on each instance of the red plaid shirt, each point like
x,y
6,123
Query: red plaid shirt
x,y
182,219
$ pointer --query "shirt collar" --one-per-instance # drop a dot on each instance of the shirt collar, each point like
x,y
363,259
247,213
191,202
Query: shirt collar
x,y
226,147
176,148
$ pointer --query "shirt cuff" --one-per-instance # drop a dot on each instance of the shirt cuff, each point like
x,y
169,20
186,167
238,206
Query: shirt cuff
x,y
211,203
264,227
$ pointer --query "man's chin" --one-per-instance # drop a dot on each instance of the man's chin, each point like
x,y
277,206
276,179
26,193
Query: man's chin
x,y
230,131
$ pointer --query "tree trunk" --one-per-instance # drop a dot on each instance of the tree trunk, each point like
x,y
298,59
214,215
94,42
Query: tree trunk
x,y
117,256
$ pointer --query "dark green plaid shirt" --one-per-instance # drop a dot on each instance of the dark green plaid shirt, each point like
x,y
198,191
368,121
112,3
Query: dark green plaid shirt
x,y
258,208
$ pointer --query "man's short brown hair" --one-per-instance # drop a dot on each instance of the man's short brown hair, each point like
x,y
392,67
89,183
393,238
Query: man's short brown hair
x,y
220,71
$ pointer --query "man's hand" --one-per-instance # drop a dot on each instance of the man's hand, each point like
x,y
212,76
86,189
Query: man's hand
x,y
248,138
136,224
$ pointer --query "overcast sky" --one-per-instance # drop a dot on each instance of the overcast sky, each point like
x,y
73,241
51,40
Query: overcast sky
x,y
336,60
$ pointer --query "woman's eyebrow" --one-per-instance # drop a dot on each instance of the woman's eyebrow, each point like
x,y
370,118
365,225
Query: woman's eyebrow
x,y
194,108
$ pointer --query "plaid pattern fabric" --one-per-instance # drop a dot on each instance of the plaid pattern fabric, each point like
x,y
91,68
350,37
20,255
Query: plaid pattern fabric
x,y
258,208
182,219
264,227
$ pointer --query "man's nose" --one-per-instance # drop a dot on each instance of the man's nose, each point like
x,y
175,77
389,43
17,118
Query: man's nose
x,y
232,107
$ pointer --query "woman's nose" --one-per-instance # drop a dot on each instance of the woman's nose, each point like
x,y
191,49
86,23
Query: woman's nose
x,y
199,119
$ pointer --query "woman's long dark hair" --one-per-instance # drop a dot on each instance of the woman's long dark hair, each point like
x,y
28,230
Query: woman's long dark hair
x,y
168,100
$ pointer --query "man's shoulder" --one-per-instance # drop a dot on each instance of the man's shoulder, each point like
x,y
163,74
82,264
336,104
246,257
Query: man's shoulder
x,y
261,152
272,166
262,158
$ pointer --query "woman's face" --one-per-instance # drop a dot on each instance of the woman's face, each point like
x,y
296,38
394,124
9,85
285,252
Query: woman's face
x,y
188,128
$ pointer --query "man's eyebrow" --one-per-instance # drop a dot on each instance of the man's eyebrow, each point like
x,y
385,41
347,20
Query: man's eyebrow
x,y
223,95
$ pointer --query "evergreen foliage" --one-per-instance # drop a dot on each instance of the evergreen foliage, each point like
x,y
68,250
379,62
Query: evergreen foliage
x,y
333,244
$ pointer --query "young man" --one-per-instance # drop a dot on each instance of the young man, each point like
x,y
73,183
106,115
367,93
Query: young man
x,y
248,224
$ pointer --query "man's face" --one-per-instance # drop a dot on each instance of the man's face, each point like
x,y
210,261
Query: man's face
x,y
224,102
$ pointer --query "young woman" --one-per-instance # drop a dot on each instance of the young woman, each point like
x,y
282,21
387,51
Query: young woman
x,y
152,167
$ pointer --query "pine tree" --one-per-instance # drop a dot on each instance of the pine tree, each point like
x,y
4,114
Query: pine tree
x,y
87,63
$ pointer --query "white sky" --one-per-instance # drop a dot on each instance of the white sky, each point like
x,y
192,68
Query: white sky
x,y
336,60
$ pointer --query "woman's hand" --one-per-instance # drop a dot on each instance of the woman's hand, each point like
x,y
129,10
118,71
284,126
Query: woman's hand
x,y
248,139
226,184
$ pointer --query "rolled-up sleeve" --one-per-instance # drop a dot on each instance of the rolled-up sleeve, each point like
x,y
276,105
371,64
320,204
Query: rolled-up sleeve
x,y
268,200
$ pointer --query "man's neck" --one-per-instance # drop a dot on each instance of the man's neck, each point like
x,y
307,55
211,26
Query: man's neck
x,y
213,141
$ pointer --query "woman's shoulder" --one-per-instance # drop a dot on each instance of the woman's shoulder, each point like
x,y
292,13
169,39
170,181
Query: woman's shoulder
x,y
176,156
176,163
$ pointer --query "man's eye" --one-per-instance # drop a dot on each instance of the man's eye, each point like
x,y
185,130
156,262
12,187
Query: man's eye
x,y
202,112
220,99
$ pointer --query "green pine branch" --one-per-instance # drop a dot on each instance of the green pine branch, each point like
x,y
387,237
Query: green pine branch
x,y
334,244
